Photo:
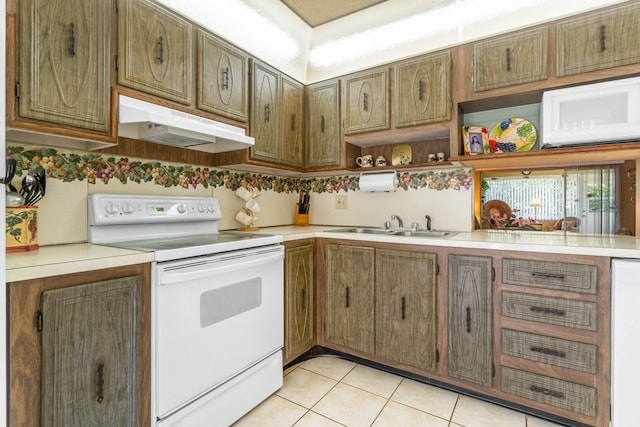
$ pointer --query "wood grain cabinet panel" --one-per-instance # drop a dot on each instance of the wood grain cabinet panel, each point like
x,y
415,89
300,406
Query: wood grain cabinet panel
x,y
265,106
563,276
601,40
64,62
366,102
292,123
154,50
406,307
423,90
510,60
350,297
299,301
323,129
470,319
222,82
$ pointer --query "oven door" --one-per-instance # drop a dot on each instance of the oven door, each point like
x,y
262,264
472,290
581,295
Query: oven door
x,y
215,317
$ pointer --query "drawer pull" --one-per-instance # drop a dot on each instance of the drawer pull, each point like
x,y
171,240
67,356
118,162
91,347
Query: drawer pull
x,y
508,59
347,297
100,383
72,39
302,299
322,124
403,307
546,310
548,351
546,391
365,102
603,38
225,73
420,91
160,57
468,320
548,275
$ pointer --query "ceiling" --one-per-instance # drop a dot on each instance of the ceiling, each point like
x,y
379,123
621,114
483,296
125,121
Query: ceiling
x,y
318,12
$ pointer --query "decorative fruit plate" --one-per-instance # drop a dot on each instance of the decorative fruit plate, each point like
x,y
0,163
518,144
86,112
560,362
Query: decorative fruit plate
x,y
512,135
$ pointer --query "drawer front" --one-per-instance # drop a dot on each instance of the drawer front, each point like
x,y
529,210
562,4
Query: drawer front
x,y
554,311
552,391
563,276
553,351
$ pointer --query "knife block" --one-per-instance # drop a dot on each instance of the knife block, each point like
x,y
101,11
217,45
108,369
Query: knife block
x,y
299,219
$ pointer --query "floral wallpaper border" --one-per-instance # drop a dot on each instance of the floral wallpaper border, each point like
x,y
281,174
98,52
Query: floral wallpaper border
x,y
70,166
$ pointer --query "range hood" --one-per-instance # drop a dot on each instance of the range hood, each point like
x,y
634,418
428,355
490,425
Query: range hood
x,y
154,123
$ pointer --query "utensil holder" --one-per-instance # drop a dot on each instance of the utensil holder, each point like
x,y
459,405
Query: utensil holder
x,y
21,228
299,219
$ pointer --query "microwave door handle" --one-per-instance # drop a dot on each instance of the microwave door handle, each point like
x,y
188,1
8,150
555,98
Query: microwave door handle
x,y
218,267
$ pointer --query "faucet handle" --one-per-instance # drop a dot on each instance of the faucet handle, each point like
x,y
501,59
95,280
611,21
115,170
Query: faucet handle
x,y
387,225
414,226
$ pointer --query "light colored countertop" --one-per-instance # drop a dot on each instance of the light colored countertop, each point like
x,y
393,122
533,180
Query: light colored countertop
x,y
76,258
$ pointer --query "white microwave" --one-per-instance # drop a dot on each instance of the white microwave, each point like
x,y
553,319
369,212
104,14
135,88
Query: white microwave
x,y
594,113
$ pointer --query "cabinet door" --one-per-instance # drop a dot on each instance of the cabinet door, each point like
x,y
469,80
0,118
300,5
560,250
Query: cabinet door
x,y
470,310
423,90
511,60
323,146
154,50
299,301
602,40
350,299
91,354
366,102
64,62
222,84
406,307
291,124
265,89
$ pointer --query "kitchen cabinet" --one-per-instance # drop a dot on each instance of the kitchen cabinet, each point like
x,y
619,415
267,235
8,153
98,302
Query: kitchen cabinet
x,y
292,123
366,101
63,330
350,301
423,90
405,299
154,50
599,40
323,129
470,355
64,49
222,85
265,94
299,299
510,60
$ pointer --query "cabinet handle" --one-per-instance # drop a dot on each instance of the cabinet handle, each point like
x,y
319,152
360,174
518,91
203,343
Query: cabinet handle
x,y
508,59
603,38
420,91
548,351
322,124
302,299
225,76
100,383
267,112
546,310
347,297
402,308
161,50
468,320
365,102
548,275
293,122
72,39
546,391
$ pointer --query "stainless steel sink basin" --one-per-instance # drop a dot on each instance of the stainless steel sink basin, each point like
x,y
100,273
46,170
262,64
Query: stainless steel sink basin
x,y
396,232
366,230
424,233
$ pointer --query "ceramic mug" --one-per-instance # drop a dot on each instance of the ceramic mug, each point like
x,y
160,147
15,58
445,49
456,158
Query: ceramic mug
x,y
381,161
365,161
253,206
244,194
243,218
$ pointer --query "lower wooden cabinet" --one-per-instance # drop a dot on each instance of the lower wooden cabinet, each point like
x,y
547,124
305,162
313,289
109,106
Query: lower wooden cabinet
x,y
79,349
299,301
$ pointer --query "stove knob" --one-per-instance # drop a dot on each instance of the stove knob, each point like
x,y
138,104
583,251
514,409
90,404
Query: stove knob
x,y
111,208
128,208
201,208
210,208
182,208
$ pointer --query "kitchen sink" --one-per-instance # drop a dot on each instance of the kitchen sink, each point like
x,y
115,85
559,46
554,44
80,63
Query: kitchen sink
x,y
396,232
425,233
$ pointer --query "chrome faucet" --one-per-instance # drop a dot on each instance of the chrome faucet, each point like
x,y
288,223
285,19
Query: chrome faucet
x,y
397,218
428,218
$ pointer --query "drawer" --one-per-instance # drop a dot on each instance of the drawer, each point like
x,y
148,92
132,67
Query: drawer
x,y
554,311
552,351
552,391
562,276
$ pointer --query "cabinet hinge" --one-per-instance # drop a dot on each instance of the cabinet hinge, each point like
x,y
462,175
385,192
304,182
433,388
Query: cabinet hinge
x,y
493,274
18,91
437,356
37,321
115,60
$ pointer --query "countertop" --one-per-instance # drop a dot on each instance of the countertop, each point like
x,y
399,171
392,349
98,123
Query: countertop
x,y
76,258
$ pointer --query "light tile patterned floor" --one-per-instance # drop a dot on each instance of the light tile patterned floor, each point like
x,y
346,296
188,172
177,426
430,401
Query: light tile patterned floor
x,y
333,392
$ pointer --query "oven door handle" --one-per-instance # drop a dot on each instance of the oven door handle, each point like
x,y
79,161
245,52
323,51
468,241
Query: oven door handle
x,y
219,266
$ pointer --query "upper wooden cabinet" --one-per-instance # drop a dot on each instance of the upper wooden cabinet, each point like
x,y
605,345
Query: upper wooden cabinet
x,y
64,62
510,60
222,82
323,124
292,123
423,90
601,40
154,50
366,102
265,95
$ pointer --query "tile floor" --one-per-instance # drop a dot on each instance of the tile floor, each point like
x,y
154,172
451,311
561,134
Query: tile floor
x,y
333,392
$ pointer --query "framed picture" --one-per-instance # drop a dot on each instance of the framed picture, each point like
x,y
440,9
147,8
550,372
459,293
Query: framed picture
x,y
475,140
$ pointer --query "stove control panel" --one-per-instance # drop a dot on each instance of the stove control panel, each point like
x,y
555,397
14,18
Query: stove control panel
x,y
106,209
